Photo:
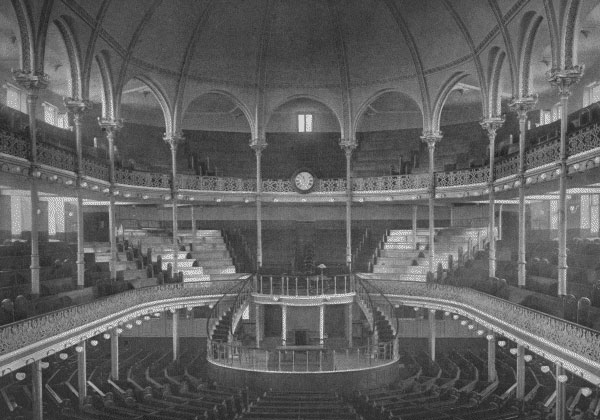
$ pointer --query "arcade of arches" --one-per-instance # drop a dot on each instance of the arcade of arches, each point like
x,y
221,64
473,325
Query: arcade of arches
x,y
299,209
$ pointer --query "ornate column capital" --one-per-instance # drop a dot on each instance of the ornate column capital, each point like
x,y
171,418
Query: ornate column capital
x,y
31,82
523,105
564,79
258,144
110,125
431,137
173,139
348,145
491,125
76,107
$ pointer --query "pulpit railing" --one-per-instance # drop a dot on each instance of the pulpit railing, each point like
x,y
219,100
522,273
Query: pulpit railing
x,y
312,285
301,358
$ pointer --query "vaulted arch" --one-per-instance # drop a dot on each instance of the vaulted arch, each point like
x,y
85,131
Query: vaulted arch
x,y
74,54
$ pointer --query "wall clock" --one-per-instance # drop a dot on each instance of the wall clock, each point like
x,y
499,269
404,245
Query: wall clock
x,y
303,181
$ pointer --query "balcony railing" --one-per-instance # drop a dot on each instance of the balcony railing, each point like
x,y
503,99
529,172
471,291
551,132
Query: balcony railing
x,y
301,358
584,140
304,285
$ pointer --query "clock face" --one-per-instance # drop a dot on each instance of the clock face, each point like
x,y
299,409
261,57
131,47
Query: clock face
x,y
304,181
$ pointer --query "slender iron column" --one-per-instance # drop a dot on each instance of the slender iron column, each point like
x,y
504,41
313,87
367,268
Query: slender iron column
x,y
76,108
491,125
258,145
522,106
283,325
258,320
33,83
321,324
432,335
349,324
564,81
81,372
520,371
491,357
561,393
114,354
348,146
111,126
36,394
175,334
173,141
431,138
415,210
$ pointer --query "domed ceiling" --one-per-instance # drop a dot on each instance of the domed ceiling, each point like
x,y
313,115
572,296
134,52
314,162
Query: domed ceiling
x,y
330,47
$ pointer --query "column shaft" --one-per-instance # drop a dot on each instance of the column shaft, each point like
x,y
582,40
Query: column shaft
x,y
492,211
415,210
35,253
110,136
194,229
561,394
322,325
257,326
520,372
82,373
491,359
562,198
36,382
283,325
348,209
173,145
176,334
432,333
522,206
259,255
349,320
114,354
431,148
76,109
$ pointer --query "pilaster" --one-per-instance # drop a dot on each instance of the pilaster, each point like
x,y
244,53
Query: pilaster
x,y
431,138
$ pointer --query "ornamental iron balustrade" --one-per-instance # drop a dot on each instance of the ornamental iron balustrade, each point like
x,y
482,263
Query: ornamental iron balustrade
x,y
23,334
558,337
213,183
584,140
95,170
14,146
316,285
55,157
506,167
142,179
542,154
307,359
391,183
463,177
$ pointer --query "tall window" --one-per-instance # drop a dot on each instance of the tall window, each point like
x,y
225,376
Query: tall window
x,y
53,117
591,93
305,123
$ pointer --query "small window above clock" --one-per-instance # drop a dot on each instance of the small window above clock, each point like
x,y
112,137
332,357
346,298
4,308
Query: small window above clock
x,y
305,123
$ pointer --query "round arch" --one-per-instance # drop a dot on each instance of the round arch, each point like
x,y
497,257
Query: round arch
x,y
360,112
158,94
239,104
300,97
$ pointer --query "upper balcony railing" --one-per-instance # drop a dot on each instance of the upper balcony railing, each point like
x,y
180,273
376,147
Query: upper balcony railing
x,y
303,285
580,142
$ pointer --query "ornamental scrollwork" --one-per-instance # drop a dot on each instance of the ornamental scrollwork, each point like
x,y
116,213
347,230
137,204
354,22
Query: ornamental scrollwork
x,y
14,146
277,186
391,183
95,170
558,333
463,177
16,336
55,157
506,167
584,140
142,179
543,154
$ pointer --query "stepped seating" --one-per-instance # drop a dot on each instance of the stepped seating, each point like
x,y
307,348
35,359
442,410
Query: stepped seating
x,y
404,256
299,405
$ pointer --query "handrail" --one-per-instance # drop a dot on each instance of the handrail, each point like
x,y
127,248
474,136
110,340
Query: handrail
x,y
301,359
314,284
226,293
391,305
585,139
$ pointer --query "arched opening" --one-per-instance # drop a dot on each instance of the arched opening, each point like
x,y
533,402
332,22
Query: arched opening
x,y
303,133
10,51
142,147
388,133
464,144
217,132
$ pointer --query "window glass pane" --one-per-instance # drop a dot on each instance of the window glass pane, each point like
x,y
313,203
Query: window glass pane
x,y
308,123
301,123
13,98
